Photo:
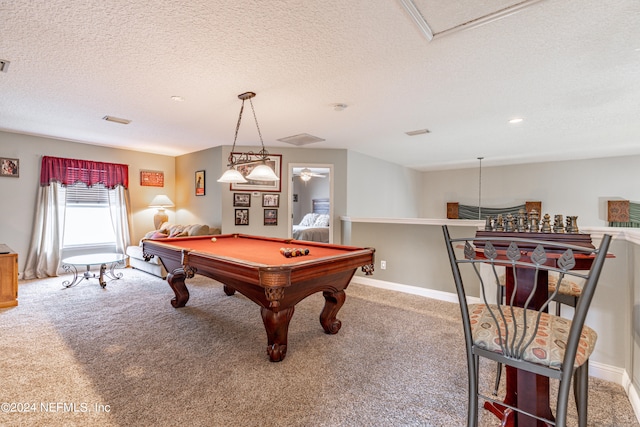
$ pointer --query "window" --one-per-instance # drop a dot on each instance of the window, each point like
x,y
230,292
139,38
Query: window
x,y
87,216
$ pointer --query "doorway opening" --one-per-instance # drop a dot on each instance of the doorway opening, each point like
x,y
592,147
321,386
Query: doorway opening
x,y
311,202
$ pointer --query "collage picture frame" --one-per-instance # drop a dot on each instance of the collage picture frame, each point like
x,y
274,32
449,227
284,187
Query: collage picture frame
x,y
9,167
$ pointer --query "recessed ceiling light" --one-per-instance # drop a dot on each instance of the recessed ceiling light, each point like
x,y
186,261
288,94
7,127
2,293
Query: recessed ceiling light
x,y
177,98
418,132
516,120
116,120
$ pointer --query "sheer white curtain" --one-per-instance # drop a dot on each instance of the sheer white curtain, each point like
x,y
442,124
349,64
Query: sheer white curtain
x,y
119,206
43,258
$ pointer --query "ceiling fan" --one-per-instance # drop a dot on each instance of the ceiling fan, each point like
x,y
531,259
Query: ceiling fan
x,y
306,174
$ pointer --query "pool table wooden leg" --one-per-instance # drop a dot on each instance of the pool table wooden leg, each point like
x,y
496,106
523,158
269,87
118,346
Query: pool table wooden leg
x,y
277,327
333,303
176,281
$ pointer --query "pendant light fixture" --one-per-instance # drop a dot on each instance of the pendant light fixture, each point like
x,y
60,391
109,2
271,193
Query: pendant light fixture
x,y
261,172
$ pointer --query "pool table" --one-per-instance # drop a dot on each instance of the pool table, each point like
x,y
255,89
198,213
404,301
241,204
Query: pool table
x,y
255,267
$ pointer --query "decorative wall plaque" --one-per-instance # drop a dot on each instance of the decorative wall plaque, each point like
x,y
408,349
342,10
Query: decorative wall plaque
x,y
151,178
618,211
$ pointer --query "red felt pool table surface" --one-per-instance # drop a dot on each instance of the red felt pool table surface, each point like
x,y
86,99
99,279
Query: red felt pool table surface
x,y
259,250
255,267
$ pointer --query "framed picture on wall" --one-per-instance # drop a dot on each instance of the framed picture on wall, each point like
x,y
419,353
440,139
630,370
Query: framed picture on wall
x,y
242,216
242,200
151,178
270,200
10,167
271,217
200,185
274,162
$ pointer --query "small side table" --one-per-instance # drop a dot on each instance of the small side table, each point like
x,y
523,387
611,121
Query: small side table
x,y
70,265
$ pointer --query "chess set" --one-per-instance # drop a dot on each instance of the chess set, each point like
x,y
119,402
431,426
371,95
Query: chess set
x,y
515,226
523,223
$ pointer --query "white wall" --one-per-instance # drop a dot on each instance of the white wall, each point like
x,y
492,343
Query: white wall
x,y
576,187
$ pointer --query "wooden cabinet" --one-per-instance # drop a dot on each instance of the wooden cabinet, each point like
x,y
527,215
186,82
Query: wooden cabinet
x,y
8,277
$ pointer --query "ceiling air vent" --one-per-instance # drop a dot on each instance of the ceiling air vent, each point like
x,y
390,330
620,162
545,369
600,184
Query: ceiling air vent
x,y
4,65
418,132
301,139
116,120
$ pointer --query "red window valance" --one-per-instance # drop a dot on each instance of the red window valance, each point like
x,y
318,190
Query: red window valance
x,y
70,171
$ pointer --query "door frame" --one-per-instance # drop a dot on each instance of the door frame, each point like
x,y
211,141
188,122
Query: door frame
x,y
290,201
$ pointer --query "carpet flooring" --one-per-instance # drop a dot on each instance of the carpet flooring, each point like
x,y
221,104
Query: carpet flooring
x,y
123,356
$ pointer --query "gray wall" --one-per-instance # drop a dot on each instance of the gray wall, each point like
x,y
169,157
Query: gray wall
x,y
577,187
377,188
362,185
221,201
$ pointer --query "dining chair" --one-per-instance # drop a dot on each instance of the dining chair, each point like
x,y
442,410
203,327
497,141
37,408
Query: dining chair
x,y
519,332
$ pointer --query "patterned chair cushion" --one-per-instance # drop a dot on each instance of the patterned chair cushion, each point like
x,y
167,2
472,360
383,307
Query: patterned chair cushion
x,y
547,347
566,287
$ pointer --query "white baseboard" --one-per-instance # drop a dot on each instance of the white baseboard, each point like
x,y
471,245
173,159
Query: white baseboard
x,y
596,369
631,391
407,289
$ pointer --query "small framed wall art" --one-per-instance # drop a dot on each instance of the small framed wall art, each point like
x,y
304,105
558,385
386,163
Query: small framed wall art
x,y
242,216
200,185
271,217
242,200
270,200
9,167
151,178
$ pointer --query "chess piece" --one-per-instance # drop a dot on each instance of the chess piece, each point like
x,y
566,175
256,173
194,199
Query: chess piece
x,y
546,224
572,224
499,223
534,218
521,221
488,226
558,224
509,227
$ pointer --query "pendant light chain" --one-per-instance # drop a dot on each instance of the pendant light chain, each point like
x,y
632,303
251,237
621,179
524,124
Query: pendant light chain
x,y
262,152
235,138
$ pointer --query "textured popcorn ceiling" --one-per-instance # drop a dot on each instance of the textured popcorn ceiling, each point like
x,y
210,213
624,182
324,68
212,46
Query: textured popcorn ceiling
x,y
570,67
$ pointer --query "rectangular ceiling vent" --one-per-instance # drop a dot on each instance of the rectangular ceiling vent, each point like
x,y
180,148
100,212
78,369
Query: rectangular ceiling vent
x,y
418,132
4,65
301,139
116,120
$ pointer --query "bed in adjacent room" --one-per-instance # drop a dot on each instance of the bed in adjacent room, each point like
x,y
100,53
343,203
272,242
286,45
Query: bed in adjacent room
x,y
314,226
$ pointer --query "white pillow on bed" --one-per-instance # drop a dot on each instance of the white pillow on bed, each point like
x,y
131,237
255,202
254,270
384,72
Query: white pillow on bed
x,y
308,220
322,221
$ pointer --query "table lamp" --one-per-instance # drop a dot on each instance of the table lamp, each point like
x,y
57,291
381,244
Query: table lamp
x,y
161,201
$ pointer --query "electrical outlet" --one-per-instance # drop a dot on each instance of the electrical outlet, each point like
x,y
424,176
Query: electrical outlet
x,y
383,265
